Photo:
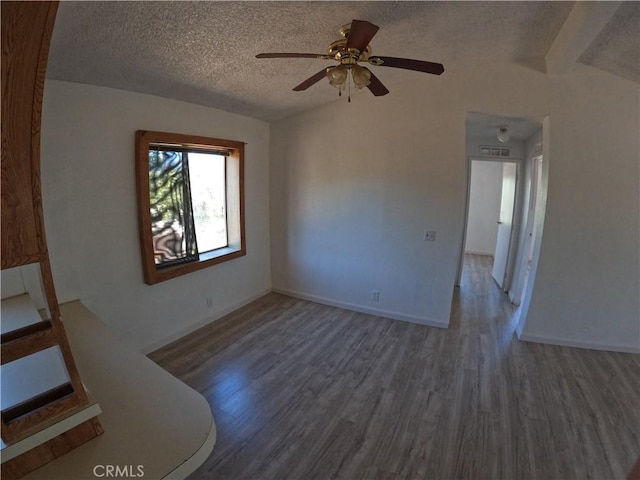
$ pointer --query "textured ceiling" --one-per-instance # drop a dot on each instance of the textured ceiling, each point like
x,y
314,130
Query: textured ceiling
x,y
204,52
617,48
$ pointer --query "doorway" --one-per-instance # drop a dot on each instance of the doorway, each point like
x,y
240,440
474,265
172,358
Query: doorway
x,y
516,253
489,229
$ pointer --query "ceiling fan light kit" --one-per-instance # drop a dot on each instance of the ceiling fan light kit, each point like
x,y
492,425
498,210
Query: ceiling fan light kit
x,y
350,50
361,76
342,75
337,76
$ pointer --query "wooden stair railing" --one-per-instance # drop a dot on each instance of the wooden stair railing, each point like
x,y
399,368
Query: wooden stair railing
x,y
26,34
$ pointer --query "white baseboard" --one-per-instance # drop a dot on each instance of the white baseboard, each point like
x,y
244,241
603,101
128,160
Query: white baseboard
x,y
195,326
576,344
364,309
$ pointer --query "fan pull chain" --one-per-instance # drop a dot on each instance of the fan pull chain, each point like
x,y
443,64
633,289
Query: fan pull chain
x,y
349,84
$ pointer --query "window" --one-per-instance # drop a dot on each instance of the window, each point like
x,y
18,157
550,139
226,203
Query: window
x,y
190,202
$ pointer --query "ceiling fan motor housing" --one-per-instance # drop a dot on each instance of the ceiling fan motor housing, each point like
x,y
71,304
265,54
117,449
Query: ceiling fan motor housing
x,y
348,56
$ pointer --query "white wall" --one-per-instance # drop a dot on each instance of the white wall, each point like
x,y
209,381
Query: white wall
x,y
485,193
90,211
350,197
354,186
24,279
11,282
588,279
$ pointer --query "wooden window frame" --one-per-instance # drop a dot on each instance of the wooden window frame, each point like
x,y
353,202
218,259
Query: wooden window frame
x,y
235,202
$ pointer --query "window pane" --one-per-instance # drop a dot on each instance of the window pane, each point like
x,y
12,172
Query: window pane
x,y
170,214
209,200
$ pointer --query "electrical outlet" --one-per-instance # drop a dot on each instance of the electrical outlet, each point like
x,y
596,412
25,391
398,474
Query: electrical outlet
x,y
429,236
375,296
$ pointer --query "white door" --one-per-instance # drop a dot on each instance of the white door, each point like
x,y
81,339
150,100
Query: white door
x,y
505,223
532,222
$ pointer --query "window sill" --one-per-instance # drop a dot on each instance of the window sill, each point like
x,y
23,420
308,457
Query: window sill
x,y
218,252
207,259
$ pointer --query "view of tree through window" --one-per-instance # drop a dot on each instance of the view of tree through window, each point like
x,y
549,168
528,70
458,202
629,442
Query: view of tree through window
x,y
187,204
169,220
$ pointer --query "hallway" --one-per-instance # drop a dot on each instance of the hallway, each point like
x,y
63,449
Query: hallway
x,y
302,391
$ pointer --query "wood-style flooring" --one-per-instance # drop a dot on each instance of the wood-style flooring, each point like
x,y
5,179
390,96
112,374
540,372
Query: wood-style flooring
x,y
306,391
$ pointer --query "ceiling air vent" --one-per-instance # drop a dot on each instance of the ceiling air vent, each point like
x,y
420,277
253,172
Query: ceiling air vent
x,y
491,151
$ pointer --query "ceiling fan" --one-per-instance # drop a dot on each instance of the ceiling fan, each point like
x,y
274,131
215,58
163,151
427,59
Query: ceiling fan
x,y
351,50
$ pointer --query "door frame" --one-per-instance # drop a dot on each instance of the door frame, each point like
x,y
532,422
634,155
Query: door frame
x,y
523,266
517,216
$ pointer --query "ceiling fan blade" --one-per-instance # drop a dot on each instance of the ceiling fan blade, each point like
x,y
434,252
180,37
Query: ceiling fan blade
x,y
360,34
376,87
311,80
292,55
408,64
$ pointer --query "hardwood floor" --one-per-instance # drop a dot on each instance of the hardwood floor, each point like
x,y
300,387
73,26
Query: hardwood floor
x,y
306,391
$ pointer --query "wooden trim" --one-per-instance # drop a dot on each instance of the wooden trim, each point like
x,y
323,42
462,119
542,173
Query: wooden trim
x,y
24,331
29,344
26,34
35,403
144,205
634,473
36,117
33,422
56,322
188,141
178,270
56,447
243,240
18,261
143,140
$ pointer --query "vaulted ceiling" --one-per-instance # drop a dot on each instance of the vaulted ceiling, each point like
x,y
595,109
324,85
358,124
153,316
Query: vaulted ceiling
x,y
204,52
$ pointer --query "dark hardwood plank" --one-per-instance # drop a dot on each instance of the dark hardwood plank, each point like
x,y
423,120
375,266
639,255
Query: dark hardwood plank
x,y
301,390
